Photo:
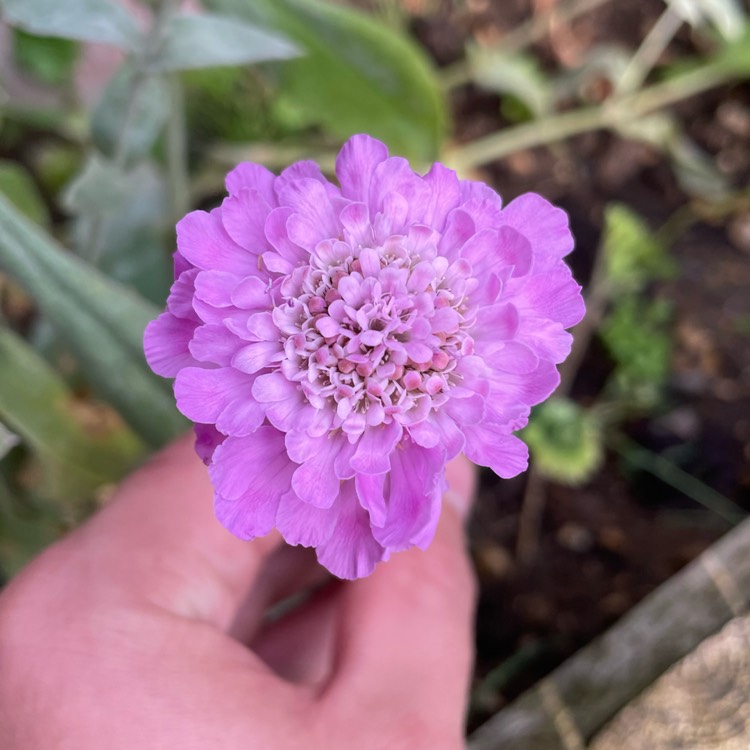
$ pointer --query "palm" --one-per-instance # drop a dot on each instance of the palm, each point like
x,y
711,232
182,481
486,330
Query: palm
x,y
144,629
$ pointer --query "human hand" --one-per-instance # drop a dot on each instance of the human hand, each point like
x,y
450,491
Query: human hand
x,y
144,629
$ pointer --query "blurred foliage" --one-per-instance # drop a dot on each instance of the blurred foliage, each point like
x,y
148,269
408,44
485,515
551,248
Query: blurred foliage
x,y
633,255
356,75
19,187
636,333
49,59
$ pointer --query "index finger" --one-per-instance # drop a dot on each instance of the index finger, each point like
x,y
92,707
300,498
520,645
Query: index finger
x,y
158,540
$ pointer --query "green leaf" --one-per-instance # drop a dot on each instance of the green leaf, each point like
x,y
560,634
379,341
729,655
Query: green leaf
x,y
515,74
24,530
50,60
357,76
146,102
204,41
128,227
635,332
565,440
8,440
727,16
100,188
102,321
80,447
19,187
100,21
696,170
634,256
735,56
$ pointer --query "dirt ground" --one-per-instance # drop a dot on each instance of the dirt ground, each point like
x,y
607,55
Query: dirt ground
x,y
603,547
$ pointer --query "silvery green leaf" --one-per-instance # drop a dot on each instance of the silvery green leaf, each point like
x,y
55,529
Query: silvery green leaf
x,y
8,440
515,74
603,60
20,188
77,453
696,170
100,188
103,21
148,106
727,16
131,239
207,40
101,320
357,75
658,129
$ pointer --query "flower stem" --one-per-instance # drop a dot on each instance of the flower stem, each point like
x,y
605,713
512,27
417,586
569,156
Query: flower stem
x,y
611,113
177,172
141,75
529,32
675,477
651,49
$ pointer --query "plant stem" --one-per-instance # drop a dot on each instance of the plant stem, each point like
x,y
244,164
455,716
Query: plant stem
x,y
611,113
530,516
177,172
651,49
141,75
529,32
675,477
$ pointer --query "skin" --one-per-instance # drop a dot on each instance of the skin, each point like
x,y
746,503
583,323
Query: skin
x,y
144,629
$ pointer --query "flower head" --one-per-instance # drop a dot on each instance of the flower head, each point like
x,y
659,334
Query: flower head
x,y
337,344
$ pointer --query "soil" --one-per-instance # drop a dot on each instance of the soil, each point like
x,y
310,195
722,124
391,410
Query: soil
x,y
604,546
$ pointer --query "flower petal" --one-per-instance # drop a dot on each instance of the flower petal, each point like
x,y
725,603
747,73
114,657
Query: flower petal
x,y
215,344
554,295
415,482
352,551
371,494
445,195
250,475
302,523
355,164
180,300
315,480
166,342
243,216
202,239
374,448
202,395
254,176
506,455
544,225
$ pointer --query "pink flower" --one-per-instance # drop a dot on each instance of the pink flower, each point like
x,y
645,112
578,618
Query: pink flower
x,y
337,344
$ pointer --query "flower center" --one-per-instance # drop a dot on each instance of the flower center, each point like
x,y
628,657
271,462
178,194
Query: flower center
x,y
373,334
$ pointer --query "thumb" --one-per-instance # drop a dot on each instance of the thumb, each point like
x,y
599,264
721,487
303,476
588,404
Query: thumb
x,y
406,631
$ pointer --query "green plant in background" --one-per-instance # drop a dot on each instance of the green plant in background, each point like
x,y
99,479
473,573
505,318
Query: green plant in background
x,y
566,441
49,59
274,81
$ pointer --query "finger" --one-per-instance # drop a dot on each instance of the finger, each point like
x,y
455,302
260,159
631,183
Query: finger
x,y
158,539
409,627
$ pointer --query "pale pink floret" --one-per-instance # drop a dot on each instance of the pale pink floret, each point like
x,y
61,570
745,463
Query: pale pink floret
x,y
337,344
